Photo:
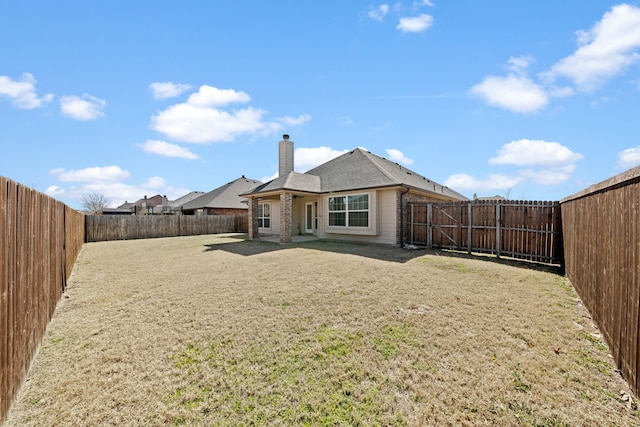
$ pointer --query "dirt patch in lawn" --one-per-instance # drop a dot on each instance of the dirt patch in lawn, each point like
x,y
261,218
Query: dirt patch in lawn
x,y
216,330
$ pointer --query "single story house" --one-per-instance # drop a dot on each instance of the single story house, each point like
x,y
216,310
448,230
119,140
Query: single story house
x,y
146,206
224,200
156,205
357,197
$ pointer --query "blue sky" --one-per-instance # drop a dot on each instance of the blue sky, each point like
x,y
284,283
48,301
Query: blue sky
x,y
527,99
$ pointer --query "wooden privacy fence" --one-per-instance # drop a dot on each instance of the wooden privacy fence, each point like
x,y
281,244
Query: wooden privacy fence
x,y
103,227
601,227
40,239
516,229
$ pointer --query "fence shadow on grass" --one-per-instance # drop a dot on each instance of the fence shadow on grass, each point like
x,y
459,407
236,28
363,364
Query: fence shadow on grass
x,y
514,262
380,252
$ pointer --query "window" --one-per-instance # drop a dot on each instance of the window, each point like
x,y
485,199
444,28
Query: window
x,y
349,211
264,215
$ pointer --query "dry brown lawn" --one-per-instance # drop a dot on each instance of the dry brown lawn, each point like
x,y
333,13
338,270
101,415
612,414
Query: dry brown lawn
x,y
216,330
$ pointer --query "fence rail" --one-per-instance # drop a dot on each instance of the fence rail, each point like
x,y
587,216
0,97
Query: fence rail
x,y
601,228
517,229
39,243
102,228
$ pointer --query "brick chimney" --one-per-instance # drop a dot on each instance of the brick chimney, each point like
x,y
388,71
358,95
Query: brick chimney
x,y
285,155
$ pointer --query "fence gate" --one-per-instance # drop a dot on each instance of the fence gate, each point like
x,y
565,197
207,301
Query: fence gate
x,y
516,229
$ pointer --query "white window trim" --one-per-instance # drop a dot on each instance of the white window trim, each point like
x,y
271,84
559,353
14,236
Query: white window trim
x,y
263,217
371,230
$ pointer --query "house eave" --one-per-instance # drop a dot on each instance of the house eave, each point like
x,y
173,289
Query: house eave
x,y
430,193
277,192
434,194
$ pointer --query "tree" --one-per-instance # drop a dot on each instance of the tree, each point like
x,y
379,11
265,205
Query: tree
x,y
94,203
507,193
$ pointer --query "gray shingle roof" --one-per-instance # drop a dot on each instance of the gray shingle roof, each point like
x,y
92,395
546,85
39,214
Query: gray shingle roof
x,y
358,169
186,198
225,196
293,181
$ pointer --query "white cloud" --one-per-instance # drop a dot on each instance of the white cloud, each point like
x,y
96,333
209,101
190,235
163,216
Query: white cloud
x,y
295,121
629,158
189,123
167,149
209,96
605,50
417,4
86,108
109,181
560,92
549,163
551,176
201,119
155,182
415,24
308,158
379,13
397,156
519,64
22,92
515,93
102,174
464,182
168,89
535,153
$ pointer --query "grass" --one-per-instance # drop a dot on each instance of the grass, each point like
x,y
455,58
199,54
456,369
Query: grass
x,y
597,342
518,382
217,331
258,382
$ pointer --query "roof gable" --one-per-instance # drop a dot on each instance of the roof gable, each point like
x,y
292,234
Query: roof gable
x,y
225,196
293,181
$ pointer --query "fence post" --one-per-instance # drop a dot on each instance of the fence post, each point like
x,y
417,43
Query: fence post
x,y
429,231
470,221
412,223
498,229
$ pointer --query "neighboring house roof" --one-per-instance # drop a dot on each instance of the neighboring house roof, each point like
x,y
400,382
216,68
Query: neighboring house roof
x,y
356,170
226,196
148,201
185,199
496,197
126,205
157,204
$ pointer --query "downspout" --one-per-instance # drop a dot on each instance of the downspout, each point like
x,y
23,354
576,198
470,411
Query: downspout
x,y
402,228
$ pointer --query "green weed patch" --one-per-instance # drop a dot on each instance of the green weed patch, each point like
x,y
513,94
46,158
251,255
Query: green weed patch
x,y
321,378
